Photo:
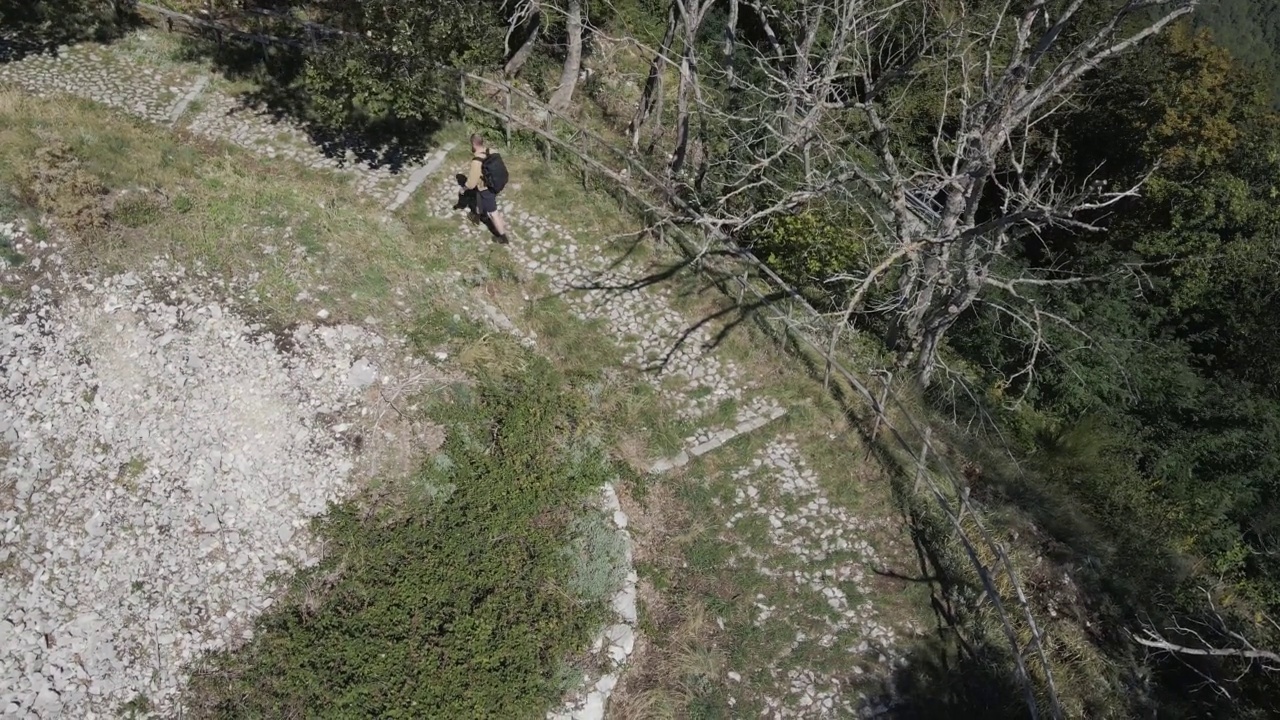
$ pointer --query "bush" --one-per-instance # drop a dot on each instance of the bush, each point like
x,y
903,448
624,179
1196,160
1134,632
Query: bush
x,y
810,247
65,20
460,601
598,552
137,209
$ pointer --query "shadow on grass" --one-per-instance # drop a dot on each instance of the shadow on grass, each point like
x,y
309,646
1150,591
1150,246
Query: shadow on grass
x,y
614,286
26,31
942,682
276,76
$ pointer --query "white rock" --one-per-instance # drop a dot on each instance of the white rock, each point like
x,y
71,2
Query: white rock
x,y
593,709
622,639
181,479
624,603
361,374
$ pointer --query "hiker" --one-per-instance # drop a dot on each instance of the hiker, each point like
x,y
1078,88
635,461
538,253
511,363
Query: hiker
x,y
485,179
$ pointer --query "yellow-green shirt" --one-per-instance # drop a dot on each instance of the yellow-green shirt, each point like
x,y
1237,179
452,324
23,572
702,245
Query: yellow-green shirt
x,y
475,176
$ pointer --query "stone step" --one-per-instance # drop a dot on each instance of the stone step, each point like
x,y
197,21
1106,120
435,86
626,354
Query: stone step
x,y
418,176
185,102
748,419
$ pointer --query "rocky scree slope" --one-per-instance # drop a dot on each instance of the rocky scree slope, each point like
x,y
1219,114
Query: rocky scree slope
x,y
160,458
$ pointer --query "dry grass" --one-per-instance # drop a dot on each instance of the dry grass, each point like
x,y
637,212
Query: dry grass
x,y
288,227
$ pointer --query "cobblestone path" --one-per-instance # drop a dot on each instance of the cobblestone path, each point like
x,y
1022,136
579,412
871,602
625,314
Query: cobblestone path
x,y
185,96
813,548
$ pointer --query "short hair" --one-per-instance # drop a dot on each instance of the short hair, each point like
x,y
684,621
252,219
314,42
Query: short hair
x,y
477,140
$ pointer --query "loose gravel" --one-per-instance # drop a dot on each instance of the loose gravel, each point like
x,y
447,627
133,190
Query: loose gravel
x,y
161,457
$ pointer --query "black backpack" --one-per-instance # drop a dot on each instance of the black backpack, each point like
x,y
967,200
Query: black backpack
x,y
494,172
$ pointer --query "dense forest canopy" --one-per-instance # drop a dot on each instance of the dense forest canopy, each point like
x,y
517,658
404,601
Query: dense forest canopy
x,y
1061,217
1250,30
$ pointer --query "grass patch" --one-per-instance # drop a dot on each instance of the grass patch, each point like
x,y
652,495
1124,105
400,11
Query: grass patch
x,y
54,181
445,604
139,707
144,192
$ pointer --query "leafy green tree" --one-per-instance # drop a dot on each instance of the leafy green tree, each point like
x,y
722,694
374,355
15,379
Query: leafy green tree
x,y
400,59
1174,373
65,20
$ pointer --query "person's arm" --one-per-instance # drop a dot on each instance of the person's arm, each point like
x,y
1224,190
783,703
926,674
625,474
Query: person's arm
x,y
473,175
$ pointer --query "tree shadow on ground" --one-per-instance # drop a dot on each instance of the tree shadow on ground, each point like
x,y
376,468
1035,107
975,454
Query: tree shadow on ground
x,y
25,32
15,47
941,681
276,74
728,318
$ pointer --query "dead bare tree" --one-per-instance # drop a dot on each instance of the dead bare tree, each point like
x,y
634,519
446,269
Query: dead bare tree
x,y
563,95
829,111
651,96
687,17
693,13
992,148
1211,636
527,11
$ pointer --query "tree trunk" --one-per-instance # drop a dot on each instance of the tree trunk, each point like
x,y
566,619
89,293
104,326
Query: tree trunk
x,y
730,39
682,110
655,132
573,60
525,50
651,97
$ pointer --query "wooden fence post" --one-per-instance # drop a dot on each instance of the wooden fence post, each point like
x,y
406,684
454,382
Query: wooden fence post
x,y
462,94
921,468
546,141
880,410
506,117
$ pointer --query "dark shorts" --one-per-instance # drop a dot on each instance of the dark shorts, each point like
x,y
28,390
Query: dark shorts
x,y
485,202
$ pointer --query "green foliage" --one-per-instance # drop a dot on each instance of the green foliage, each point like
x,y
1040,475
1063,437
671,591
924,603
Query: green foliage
x,y
644,20
598,553
1149,458
459,604
63,20
812,246
138,707
137,209
1250,29
402,59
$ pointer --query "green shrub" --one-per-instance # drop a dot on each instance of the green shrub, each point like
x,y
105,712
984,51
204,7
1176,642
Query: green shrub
x,y
457,604
65,20
137,209
598,552
810,247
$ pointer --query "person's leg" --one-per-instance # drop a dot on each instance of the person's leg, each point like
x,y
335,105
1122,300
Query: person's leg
x,y
489,203
499,222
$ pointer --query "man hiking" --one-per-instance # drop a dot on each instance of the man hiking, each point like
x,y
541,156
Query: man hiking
x,y
485,179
